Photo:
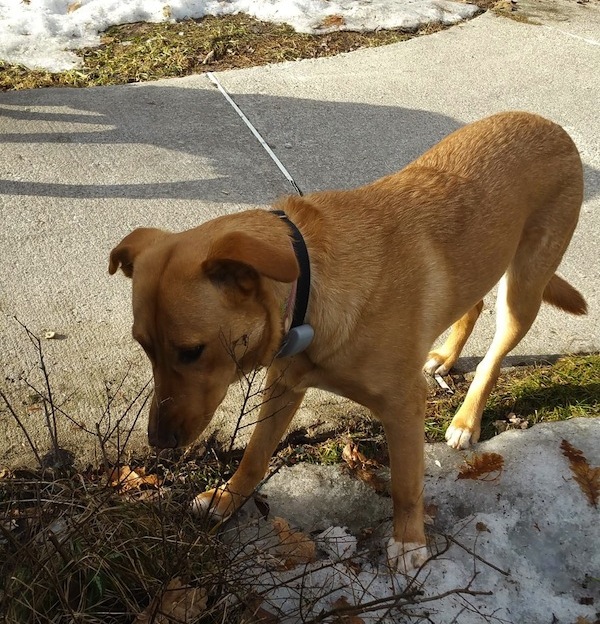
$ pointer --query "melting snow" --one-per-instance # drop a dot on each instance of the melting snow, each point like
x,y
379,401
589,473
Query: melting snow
x,y
43,33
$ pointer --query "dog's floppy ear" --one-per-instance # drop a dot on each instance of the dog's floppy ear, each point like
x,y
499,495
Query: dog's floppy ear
x,y
239,256
124,254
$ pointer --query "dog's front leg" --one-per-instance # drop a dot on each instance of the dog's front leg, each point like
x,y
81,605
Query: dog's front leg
x,y
275,415
404,422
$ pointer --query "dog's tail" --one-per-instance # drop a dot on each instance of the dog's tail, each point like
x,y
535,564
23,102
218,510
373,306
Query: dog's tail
x,y
561,294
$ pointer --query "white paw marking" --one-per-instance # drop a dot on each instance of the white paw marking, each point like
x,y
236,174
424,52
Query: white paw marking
x,y
203,504
458,438
435,367
406,557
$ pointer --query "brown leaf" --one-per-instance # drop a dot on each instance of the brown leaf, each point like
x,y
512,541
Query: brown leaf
x,y
587,477
126,479
342,604
73,7
363,468
482,527
177,603
373,479
353,457
295,547
572,453
255,614
332,21
482,466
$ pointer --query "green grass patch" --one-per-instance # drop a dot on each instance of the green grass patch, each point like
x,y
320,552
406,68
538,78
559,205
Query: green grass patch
x,y
568,388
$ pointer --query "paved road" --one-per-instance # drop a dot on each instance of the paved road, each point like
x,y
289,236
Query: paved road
x,y
81,168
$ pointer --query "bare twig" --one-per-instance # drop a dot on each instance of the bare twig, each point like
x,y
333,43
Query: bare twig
x,y
22,427
396,601
49,403
476,556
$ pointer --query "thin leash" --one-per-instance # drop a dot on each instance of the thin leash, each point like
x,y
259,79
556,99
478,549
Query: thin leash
x,y
255,132
299,335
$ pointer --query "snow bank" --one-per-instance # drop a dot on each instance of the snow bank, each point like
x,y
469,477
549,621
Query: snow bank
x,y
530,537
43,33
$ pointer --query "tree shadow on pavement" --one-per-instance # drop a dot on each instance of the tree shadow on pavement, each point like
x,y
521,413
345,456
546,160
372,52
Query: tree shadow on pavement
x,y
198,148
153,141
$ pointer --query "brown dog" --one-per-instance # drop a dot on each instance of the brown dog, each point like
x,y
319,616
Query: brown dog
x,y
393,264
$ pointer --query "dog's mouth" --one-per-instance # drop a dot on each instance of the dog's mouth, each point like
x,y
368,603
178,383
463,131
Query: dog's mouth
x,y
180,419
172,438
167,433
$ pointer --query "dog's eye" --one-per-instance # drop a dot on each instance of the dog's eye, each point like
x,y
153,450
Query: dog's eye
x,y
187,356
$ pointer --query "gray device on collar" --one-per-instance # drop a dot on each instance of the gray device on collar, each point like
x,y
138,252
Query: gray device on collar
x,y
296,340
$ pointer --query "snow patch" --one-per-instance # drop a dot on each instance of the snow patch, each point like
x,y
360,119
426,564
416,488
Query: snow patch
x,y
41,34
524,547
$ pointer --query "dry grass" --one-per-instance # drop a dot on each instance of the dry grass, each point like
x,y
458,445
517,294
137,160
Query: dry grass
x,y
141,52
96,546
72,545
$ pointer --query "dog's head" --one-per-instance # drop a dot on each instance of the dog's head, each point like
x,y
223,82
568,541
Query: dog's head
x,y
206,306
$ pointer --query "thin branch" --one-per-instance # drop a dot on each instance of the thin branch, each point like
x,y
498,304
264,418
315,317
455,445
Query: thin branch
x,y
49,403
395,601
478,557
22,427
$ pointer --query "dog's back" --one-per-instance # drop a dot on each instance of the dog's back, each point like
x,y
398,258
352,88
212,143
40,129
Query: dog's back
x,y
458,215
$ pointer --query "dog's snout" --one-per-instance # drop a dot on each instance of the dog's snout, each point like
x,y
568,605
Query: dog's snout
x,y
163,440
162,433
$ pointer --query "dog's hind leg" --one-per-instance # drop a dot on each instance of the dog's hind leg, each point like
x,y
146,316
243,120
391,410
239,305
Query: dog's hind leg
x,y
440,361
515,312
528,280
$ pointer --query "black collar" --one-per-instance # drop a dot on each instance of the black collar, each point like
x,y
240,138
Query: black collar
x,y
300,334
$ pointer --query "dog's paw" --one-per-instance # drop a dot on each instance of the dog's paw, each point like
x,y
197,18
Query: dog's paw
x,y
460,437
219,503
437,364
406,557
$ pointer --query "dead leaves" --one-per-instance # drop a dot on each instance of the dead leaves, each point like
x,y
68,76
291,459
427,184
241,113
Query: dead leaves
x,y
512,421
489,466
134,483
332,21
126,479
364,469
256,614
294,548
177,603
342,605
482,467
587,478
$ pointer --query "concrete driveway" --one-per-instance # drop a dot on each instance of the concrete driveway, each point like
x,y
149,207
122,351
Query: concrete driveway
x,y
80,168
